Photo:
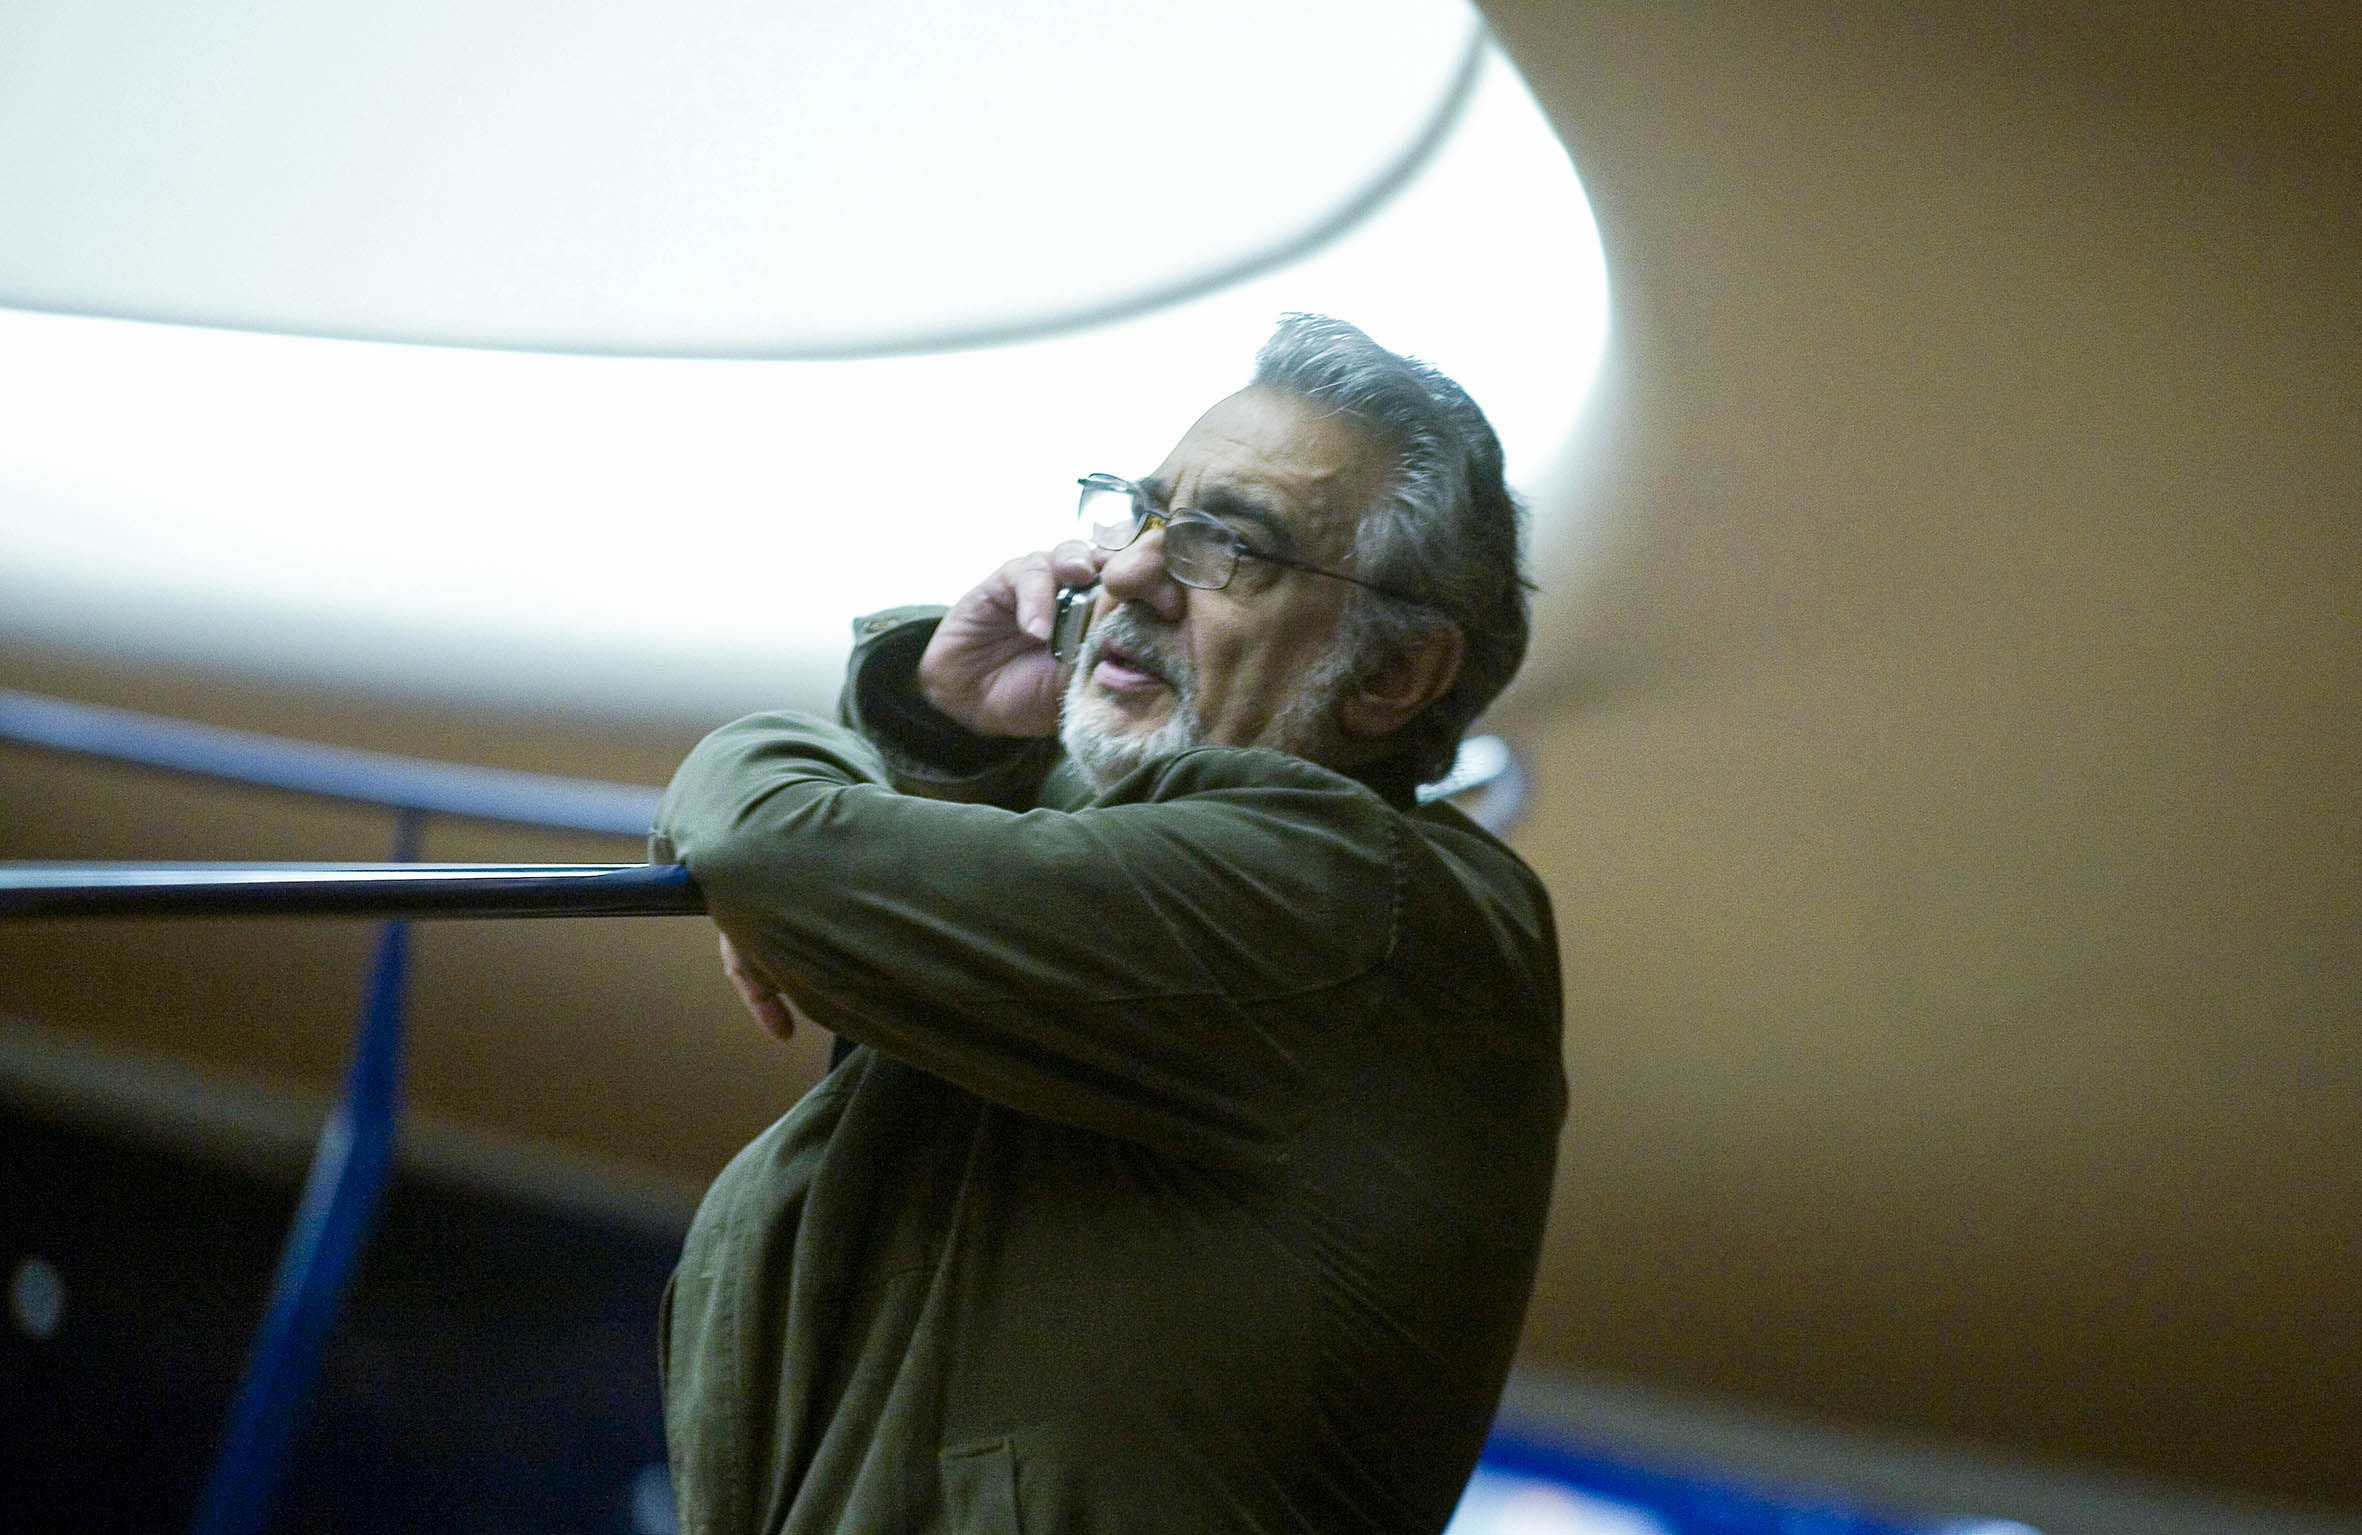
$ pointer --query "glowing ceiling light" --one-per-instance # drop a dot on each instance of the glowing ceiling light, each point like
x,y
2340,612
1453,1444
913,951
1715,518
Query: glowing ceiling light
x,y
688,536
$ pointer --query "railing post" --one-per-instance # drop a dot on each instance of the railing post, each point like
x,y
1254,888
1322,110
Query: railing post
x,y
341,1195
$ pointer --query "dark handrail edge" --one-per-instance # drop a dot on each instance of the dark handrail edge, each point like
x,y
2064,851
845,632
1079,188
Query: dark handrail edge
x,y
346,890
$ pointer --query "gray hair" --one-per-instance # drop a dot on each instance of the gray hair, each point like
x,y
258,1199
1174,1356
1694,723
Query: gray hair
x,y
1446,527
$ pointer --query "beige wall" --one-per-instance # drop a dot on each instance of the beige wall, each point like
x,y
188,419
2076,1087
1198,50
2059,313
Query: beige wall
x,y
1947,748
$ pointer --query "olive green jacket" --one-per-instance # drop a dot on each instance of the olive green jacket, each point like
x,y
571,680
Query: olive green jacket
x,y
1189,1175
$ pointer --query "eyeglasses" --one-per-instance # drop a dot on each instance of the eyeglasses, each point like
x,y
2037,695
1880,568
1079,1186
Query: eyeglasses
x,y
1199,550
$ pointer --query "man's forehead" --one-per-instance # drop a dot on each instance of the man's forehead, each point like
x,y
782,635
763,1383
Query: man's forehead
x,y
1281,453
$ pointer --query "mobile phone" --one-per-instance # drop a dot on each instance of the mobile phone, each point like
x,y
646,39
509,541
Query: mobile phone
x,y
1073,621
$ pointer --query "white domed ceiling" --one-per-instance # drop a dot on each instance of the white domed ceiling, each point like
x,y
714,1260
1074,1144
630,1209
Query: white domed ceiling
x,y
615,356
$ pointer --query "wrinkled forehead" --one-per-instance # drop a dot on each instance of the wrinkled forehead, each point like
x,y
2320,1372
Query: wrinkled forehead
x,y
1279,458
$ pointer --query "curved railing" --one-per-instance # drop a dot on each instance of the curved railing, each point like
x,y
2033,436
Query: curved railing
x,y
354,1158
407,784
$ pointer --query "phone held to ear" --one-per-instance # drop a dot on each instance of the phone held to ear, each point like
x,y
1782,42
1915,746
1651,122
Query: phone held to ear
x,y
1073,621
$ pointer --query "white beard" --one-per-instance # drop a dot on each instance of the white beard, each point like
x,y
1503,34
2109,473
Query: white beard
x,y
1091,728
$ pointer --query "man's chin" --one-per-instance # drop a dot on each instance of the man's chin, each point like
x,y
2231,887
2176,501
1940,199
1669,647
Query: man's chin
x,y
1127,711
1107,741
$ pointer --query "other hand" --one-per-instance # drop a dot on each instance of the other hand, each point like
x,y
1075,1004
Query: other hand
x,y
760,994
989,665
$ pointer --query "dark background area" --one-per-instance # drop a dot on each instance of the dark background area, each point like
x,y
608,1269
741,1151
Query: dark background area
x,y
493,1369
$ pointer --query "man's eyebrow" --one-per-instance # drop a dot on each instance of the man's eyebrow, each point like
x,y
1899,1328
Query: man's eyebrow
x,y
1233,506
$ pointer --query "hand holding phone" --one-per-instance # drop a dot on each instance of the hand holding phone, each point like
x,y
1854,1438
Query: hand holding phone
x,y
1000,658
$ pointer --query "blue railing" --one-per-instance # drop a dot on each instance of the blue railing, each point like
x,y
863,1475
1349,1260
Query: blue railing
x,y
327,772
396,890
354,1158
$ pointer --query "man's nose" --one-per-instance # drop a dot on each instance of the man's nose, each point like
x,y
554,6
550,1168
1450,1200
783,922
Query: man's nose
x,y
1136,573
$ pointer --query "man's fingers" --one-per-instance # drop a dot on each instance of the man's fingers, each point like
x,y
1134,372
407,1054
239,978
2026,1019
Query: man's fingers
x,y
1026,588
989,665
1035,583
757,995
776,1017
1075,563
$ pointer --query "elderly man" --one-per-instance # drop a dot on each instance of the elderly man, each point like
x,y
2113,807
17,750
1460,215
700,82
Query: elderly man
x,y
1189,1165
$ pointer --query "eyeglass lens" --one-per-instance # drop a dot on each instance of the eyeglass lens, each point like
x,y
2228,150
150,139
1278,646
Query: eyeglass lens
x,y
1196,552
1108,516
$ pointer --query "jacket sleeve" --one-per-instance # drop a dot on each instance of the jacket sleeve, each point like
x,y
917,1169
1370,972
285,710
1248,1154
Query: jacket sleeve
x,y
1137,966
924,752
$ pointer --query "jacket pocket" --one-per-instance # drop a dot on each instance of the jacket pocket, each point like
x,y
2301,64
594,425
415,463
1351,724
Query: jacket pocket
x,y
980,1488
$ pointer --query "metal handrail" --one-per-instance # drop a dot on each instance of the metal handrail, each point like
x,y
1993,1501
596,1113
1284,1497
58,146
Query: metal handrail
x,y
354,1158
389,890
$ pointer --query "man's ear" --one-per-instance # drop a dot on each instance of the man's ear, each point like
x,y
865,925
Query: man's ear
x,y
1382,704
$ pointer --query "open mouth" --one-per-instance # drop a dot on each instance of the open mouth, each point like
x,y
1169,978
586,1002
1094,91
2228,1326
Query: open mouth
x,y
1122,665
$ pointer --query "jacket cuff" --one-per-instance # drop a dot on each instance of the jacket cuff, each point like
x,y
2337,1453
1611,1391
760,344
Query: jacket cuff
x,y
926,752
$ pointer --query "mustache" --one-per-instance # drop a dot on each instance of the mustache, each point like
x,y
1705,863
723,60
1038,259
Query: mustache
x,y
1141,637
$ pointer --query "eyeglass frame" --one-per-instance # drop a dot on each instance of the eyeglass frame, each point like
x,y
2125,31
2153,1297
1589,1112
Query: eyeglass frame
x,y
1148,521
